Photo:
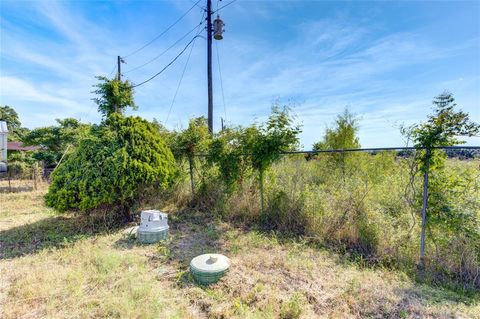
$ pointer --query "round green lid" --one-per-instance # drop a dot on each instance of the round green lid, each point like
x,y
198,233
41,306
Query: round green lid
x,y
210,263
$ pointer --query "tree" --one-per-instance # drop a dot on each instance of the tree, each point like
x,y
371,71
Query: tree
x,y
114,96
55,140
343,135
195,139
265,143
119,164
443,128
226,151
9,115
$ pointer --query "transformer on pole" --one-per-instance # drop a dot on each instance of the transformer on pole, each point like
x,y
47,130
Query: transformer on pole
x,y
218,28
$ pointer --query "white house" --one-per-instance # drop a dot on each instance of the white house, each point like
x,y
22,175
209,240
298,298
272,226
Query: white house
x,y
3,146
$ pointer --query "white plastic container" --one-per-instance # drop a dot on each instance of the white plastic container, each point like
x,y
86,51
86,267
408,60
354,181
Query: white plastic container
x,y
153,226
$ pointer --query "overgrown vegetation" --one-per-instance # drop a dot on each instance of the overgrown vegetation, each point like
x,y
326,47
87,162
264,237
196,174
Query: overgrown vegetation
x,y
113,96
440,213
117,164
365,205
121,161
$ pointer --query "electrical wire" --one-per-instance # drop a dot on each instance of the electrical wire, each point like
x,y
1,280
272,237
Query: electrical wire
x,y
111,72
165,31
179,83
165,51
221,82
197,5
169,64
218,9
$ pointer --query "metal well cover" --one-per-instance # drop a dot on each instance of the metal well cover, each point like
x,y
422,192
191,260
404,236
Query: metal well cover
x,y
210,263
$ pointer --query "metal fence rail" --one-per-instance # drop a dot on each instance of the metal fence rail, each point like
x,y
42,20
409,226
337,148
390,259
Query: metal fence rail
x,y
371,149
379,149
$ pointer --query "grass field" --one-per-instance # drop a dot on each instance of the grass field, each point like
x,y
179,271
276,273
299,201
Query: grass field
x,y
66,266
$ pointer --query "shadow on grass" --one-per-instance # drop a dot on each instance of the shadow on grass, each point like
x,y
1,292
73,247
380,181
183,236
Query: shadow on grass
x,y
428,294
15,189
129,239
52,232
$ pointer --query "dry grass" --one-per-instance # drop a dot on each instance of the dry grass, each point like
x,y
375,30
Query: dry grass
x,y
56,267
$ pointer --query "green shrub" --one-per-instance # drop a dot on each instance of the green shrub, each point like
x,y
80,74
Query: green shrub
x,y
227,152
54,141
119,164
20,164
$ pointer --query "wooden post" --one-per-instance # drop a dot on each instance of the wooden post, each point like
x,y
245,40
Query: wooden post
x,y
262,205
9,183
190,162
34,175
44,177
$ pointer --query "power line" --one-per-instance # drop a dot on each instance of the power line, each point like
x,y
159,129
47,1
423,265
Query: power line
x,y
179,82
169,64
221,81
165,51
111,72
165,31
197,5
218,9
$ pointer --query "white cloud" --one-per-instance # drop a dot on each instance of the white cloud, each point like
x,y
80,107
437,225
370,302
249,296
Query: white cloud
x,y
12,87
325,64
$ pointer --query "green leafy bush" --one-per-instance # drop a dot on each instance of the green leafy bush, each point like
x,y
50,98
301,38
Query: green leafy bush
x,y
228,153
54,141
114,96
122,161
193,140
20,164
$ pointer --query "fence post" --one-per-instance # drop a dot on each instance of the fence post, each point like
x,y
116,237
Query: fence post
x,y
34,175
421,264
9,182
261,189
190,163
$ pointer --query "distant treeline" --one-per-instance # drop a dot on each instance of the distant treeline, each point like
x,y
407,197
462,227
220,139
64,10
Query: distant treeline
x,y
462,154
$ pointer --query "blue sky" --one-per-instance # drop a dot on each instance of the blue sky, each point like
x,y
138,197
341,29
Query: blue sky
x,y
385,60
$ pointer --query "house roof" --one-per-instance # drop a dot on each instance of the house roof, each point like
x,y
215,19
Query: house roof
x,y
18,146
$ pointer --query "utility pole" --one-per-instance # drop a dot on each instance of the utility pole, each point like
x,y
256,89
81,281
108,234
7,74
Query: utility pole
x,y
209,66
119,78
119,74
